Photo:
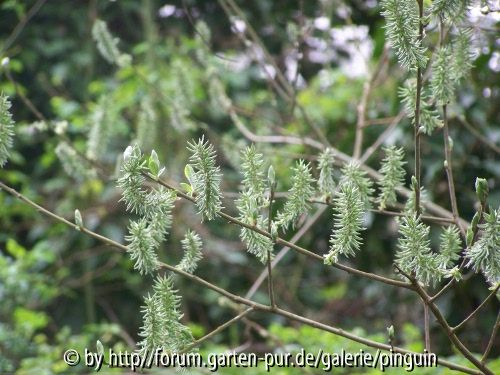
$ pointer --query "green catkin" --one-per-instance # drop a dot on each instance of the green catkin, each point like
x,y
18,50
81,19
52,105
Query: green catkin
x,y
352,173
100,130
463,57
348,220
450,10
393,174
256,243
6,129
401,29
443,80
414,255
429,117
147,124
108,45
177,335
206,179
326,183
142,247
153,330
192,245
73,164
131,180
250,203
485,253
450,245
301,192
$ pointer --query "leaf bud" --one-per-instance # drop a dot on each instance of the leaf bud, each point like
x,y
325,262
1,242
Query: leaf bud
x,y
78,219
482,189
469,237
154,163
271,177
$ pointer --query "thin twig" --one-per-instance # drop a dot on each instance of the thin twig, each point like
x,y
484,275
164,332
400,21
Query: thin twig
x,y
271,138
21,25
447,149
379,121
427,329
218,330
281,85
417,112
478,135
363,105
382,137
492,339
449,171
229,5
472,314
29,104
423,217
269,268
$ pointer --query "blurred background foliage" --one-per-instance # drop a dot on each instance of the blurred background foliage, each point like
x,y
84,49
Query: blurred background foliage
x,y
61,289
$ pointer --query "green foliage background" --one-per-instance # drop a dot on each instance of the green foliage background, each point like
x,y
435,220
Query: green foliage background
x,y
60,289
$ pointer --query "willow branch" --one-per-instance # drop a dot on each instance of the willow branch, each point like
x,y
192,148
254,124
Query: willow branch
x,y
344,158
233,297
293,246
444,324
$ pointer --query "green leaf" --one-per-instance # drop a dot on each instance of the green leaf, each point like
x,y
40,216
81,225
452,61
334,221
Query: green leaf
x,y
29,319
154,163
14,249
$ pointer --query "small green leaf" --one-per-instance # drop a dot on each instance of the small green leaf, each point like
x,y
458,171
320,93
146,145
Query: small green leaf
x,y
475,220
453,273
14,249
30,320
469,237
482,189
189,173
187,188
154,163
